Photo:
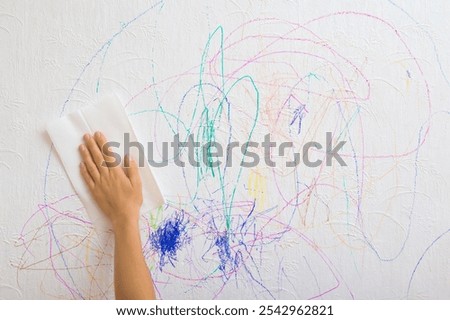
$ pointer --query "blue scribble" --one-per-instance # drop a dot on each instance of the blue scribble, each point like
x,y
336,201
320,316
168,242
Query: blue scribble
x,y
223,249
299,114
170,236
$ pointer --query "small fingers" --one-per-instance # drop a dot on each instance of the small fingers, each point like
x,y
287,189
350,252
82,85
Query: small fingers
x,y
86,176
96,154
132,171
112,160
88,163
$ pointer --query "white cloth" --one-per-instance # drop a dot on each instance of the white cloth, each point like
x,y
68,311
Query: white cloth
x,y
109,117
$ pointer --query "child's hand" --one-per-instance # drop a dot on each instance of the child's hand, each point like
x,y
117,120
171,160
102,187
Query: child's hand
x,y
117,190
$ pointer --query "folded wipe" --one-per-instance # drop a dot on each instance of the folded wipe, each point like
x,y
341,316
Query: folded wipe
x,y
109,117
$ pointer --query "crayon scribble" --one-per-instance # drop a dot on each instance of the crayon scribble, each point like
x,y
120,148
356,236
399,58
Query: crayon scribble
x,y
288,233
169,238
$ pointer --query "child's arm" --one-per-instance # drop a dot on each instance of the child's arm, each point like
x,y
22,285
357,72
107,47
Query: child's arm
x,y
118,192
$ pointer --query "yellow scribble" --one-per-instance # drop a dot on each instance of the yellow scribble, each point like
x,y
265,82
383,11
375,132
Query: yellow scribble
x,y
257,188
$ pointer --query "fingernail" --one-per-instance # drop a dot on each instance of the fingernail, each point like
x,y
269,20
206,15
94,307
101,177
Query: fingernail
x,y
87,136
98,134
82,147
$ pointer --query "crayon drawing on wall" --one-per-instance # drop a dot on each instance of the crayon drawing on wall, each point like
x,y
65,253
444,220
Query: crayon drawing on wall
x,y
374,74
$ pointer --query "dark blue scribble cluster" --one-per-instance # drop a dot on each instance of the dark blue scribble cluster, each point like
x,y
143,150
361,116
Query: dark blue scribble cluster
x,y
229,261
170,236
223,249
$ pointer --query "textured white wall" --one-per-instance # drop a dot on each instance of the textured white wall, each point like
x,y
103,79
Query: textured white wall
x,y
374,73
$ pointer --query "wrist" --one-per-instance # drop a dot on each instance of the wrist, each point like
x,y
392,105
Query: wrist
x,y
128,223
